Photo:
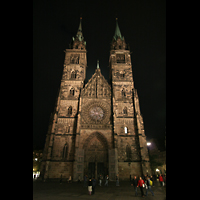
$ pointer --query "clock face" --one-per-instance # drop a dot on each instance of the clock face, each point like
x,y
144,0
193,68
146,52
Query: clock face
x,y
96,113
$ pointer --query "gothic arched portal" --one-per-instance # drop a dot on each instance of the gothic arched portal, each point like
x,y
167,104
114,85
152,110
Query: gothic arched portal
x,y
96,155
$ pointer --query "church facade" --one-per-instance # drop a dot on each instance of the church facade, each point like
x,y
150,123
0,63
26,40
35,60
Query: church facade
x,y
96,128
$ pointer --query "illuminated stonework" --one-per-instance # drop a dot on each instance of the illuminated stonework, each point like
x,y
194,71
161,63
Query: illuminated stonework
x,y
96,128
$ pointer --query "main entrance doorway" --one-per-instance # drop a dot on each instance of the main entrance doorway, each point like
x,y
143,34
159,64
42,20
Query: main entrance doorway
x,y
96,156
95,169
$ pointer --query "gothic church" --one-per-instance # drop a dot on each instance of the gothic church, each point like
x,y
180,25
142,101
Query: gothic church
x,y
96,128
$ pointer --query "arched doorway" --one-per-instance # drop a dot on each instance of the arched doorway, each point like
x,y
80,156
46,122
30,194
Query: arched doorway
x,y
96,156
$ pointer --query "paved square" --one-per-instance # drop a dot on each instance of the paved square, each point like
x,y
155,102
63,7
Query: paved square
x,y
53,190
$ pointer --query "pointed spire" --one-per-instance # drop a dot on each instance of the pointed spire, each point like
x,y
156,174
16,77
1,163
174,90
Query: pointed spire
x,y
78,41
97,64
117,31
79,34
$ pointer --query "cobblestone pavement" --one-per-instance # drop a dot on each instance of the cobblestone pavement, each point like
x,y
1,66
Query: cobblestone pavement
x,y
53,190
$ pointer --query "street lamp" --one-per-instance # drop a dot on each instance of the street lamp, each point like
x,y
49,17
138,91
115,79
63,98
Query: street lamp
x,y
148,143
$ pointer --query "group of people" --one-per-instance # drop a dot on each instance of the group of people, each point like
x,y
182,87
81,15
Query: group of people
x,y
146,182
92,183
143,182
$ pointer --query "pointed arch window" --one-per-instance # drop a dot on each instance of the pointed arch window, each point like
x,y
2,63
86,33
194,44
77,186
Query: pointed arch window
x,y
73,75
74,59
70,110
123,93
125,110
122,74
68,129
128,153
72,92
120,58
65,151
125,129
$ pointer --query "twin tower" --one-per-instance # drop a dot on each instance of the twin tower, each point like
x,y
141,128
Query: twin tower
x,y
96,128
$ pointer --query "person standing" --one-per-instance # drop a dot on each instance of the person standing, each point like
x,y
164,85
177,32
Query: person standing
x,y
90,186
134,183
161,180
93,185
117,180
149,187
100,180
107,178
70,179
140,184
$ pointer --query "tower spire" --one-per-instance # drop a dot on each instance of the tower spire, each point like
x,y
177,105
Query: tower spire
x,y
118,41
78,41
79,34
97,64
117,31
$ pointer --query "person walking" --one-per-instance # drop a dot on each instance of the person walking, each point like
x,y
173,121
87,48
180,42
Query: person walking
x,y
107,178
152,179
140,184
93,185
90,186
117,180
161,180
149,186
134,183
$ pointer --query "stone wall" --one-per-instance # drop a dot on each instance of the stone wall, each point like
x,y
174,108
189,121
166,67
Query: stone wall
x,y
56,169
129,168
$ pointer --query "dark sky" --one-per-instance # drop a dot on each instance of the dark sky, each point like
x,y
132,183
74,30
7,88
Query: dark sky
x,y
143,25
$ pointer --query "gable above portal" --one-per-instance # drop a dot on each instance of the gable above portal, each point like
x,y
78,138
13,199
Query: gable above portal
x,y
97,87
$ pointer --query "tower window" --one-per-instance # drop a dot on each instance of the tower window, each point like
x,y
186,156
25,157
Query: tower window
x,y
122,74
72,92
65,151
128,153
70,110
125,130
123,93
120,58
74,59
125,110
67,129
73,75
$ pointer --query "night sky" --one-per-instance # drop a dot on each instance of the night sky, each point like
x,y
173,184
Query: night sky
x,y
143,25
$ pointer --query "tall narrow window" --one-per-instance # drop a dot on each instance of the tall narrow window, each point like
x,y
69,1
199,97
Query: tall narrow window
x,y
123,93
65,151
68,129
128,153
125,130
70,110
125,111
72,92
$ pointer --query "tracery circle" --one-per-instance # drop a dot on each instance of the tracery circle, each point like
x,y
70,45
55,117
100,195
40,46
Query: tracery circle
x,y
96,113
